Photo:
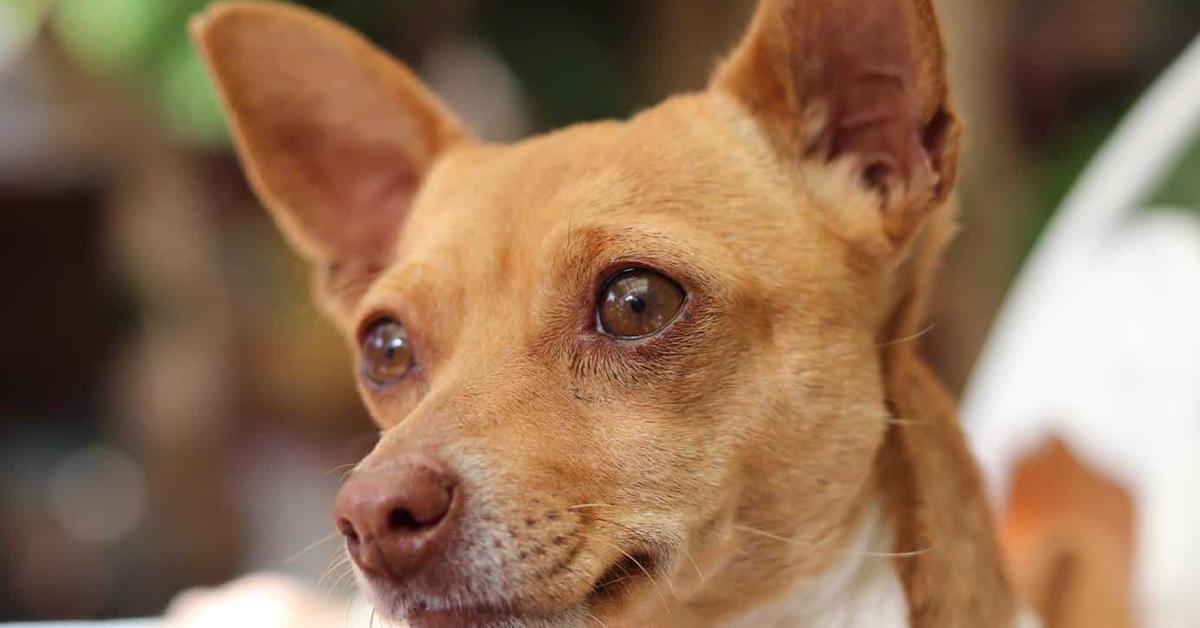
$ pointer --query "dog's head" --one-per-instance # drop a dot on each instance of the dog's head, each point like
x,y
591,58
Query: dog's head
x,y
626,369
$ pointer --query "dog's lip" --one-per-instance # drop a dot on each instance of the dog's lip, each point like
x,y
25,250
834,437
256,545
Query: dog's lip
x,y
624,578
624,575
434,611
456,617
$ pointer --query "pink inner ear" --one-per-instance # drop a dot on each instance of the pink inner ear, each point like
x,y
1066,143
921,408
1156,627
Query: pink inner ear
x,y
334,134
862,63
862,79
348,194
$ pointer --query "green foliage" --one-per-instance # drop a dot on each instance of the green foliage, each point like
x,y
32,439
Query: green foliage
x,y
111,37
566,56
28,11
187,98
144,44
1182,188
19,20
1068,151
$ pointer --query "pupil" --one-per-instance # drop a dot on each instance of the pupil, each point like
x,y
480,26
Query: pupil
x,y
636,303
391,346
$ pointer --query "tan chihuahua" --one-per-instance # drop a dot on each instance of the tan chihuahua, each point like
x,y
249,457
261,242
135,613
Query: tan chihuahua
x,y
652,372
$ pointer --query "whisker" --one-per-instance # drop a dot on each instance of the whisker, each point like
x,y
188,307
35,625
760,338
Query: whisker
x,y
348,465
769,535
334,563
595,619
637,535
331,569
924,550
342,578
657,589
623,578
695,565
928,328
309,547
784,539
333,585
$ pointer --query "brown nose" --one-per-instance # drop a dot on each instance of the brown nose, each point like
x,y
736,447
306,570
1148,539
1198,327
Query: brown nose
x,y
396,517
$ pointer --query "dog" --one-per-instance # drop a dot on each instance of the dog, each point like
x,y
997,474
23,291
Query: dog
x,y
648,372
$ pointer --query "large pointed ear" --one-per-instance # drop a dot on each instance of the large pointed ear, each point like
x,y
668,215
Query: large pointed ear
x,y
334,135
861,82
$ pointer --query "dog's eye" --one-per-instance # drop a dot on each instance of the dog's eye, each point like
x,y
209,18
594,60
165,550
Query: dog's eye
x,y
386,352
638,302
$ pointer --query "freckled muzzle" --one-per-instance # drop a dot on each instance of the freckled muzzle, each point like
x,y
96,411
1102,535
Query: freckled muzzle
x,y
438,551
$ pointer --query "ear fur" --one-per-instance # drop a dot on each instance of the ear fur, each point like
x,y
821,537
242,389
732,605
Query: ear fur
x,y
334,135
848,80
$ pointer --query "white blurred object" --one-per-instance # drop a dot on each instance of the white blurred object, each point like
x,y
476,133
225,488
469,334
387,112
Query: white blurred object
x,y
1099,343
268,601
113,623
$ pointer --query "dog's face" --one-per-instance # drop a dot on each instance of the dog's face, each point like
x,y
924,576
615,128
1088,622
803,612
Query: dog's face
x,y
625,370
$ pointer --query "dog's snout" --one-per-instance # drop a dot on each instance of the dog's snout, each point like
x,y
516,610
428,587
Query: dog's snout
x,y
396,517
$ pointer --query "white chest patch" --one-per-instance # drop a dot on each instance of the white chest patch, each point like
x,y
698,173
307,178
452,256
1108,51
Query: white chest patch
x,y
860,589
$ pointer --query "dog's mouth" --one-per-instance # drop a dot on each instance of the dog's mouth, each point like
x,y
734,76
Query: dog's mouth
x,y
622,580
422,616
435,612
626,578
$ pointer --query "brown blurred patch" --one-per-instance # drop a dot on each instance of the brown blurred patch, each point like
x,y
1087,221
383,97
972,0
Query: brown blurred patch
x,y
1068,536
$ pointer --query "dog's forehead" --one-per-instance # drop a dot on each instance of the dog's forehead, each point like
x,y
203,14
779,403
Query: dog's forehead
x,y
685,163
500,231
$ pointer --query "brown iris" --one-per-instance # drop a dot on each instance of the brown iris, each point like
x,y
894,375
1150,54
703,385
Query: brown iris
x,y
386,352
638,302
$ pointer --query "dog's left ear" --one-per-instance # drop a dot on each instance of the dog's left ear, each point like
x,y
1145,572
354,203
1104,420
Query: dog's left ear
x,y
335,136
858,81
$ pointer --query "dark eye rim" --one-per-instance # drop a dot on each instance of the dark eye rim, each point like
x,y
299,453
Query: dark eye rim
x,y
613,274
369,324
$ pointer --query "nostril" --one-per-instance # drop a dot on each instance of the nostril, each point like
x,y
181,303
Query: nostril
x,y
396,508
346,527
424,504
402,519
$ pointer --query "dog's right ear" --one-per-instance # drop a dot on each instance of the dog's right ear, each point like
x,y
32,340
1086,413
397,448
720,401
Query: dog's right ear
x,y
858,82
335,136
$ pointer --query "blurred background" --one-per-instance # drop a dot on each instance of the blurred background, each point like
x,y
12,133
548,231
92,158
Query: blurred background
x,y
174,411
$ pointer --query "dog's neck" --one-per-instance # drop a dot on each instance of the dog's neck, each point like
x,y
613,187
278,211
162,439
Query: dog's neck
x,y
861,588
925,555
